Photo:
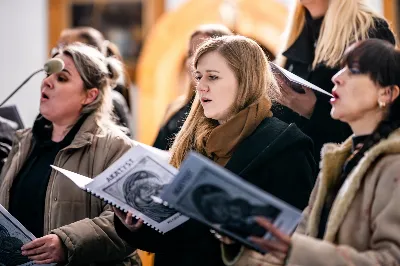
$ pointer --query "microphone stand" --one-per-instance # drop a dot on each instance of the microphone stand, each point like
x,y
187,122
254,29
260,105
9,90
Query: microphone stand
x,y
20,86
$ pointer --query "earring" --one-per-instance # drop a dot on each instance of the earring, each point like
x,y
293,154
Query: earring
x,y
381,104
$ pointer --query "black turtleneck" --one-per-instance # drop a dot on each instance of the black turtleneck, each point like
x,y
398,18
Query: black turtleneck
x,y
313,27
358,141
28,192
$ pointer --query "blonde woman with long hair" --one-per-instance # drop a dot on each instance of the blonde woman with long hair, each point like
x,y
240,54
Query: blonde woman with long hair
x,y
318,33
178,110
230,122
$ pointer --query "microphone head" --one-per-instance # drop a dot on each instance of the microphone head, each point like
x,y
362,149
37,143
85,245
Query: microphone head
x,y
54,65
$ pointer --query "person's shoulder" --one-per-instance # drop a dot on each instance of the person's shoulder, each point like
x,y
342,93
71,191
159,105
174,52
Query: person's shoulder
x,y
113,136
381,30
277,128
275,135
23,134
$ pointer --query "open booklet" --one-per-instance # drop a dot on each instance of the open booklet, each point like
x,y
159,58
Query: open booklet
x,y
212,195
294,81
132,182
13,235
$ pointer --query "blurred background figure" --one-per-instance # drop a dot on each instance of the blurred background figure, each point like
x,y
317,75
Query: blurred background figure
x,y
178,110
120,94
7,132
316,41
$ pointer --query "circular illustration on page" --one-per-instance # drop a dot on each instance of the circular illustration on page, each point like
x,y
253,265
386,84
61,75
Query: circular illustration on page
x,y
10,249
233,214
136,188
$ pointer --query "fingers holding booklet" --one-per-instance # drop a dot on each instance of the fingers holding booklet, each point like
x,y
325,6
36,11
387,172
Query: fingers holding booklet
x,y
214,196
293,81
130,184
13,236
128,220
145,189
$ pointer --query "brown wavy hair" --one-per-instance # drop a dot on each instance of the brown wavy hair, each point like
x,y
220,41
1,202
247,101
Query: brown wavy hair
x,y
212,31
255,80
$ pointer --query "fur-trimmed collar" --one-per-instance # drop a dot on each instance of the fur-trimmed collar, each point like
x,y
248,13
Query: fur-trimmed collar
x,y
333,159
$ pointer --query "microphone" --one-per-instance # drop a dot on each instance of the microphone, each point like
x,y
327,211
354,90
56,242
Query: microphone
x,y
52,66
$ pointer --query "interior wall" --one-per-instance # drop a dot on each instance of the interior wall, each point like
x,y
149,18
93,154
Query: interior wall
x,y
23,50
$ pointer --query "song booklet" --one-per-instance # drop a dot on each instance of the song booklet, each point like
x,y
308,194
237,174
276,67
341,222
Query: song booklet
x,y
13,235
132,183
214,196
293,81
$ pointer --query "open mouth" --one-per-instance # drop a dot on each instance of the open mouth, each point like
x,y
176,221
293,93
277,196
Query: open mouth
x,y
335,97
45,96
205,100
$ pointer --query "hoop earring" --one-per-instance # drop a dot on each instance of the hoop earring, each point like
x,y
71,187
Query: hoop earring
x,y
381,104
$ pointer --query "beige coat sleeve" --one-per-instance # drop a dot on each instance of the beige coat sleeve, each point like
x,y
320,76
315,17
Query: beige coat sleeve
x,y
96,238
385,235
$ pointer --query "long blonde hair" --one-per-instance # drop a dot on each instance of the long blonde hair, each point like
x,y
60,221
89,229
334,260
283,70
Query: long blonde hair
x,y
345,22
211,31
255,80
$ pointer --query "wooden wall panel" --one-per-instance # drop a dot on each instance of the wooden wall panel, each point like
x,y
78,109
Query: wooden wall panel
x,y
58,19
391,13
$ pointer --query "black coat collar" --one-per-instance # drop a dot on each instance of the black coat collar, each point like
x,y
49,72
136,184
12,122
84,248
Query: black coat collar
x,y
271,137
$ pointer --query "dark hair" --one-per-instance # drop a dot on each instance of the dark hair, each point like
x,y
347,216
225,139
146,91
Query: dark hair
x,y
381,61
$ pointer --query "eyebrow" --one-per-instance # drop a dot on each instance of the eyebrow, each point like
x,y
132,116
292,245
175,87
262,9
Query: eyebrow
x,y
65,70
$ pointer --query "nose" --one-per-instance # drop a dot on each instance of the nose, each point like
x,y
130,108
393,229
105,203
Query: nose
x,y
202,86
337,79
48,81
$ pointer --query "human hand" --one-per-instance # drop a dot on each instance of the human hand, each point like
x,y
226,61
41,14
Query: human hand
x,y
224,239
301,103
279,247
45,250
127,220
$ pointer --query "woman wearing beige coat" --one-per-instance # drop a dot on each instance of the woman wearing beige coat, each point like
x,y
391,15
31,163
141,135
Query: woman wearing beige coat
x,y
353,216
74,132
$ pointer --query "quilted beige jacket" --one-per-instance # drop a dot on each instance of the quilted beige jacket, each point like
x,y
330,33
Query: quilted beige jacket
x,y
83,222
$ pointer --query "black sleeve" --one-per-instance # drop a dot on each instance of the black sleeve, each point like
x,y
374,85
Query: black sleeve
x,y
161,141
291,176
121,112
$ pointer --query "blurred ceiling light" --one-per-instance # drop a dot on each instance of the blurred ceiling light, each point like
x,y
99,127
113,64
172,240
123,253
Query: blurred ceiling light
x,y
228,12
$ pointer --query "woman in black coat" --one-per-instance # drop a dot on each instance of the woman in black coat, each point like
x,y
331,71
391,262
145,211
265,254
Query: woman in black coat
x,y
231,123
319,34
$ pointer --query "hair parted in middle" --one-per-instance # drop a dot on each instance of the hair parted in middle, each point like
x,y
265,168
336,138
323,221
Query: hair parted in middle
x,y
255,81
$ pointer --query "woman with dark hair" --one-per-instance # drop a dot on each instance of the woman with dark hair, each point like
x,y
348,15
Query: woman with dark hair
x,y
353,216
318,33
